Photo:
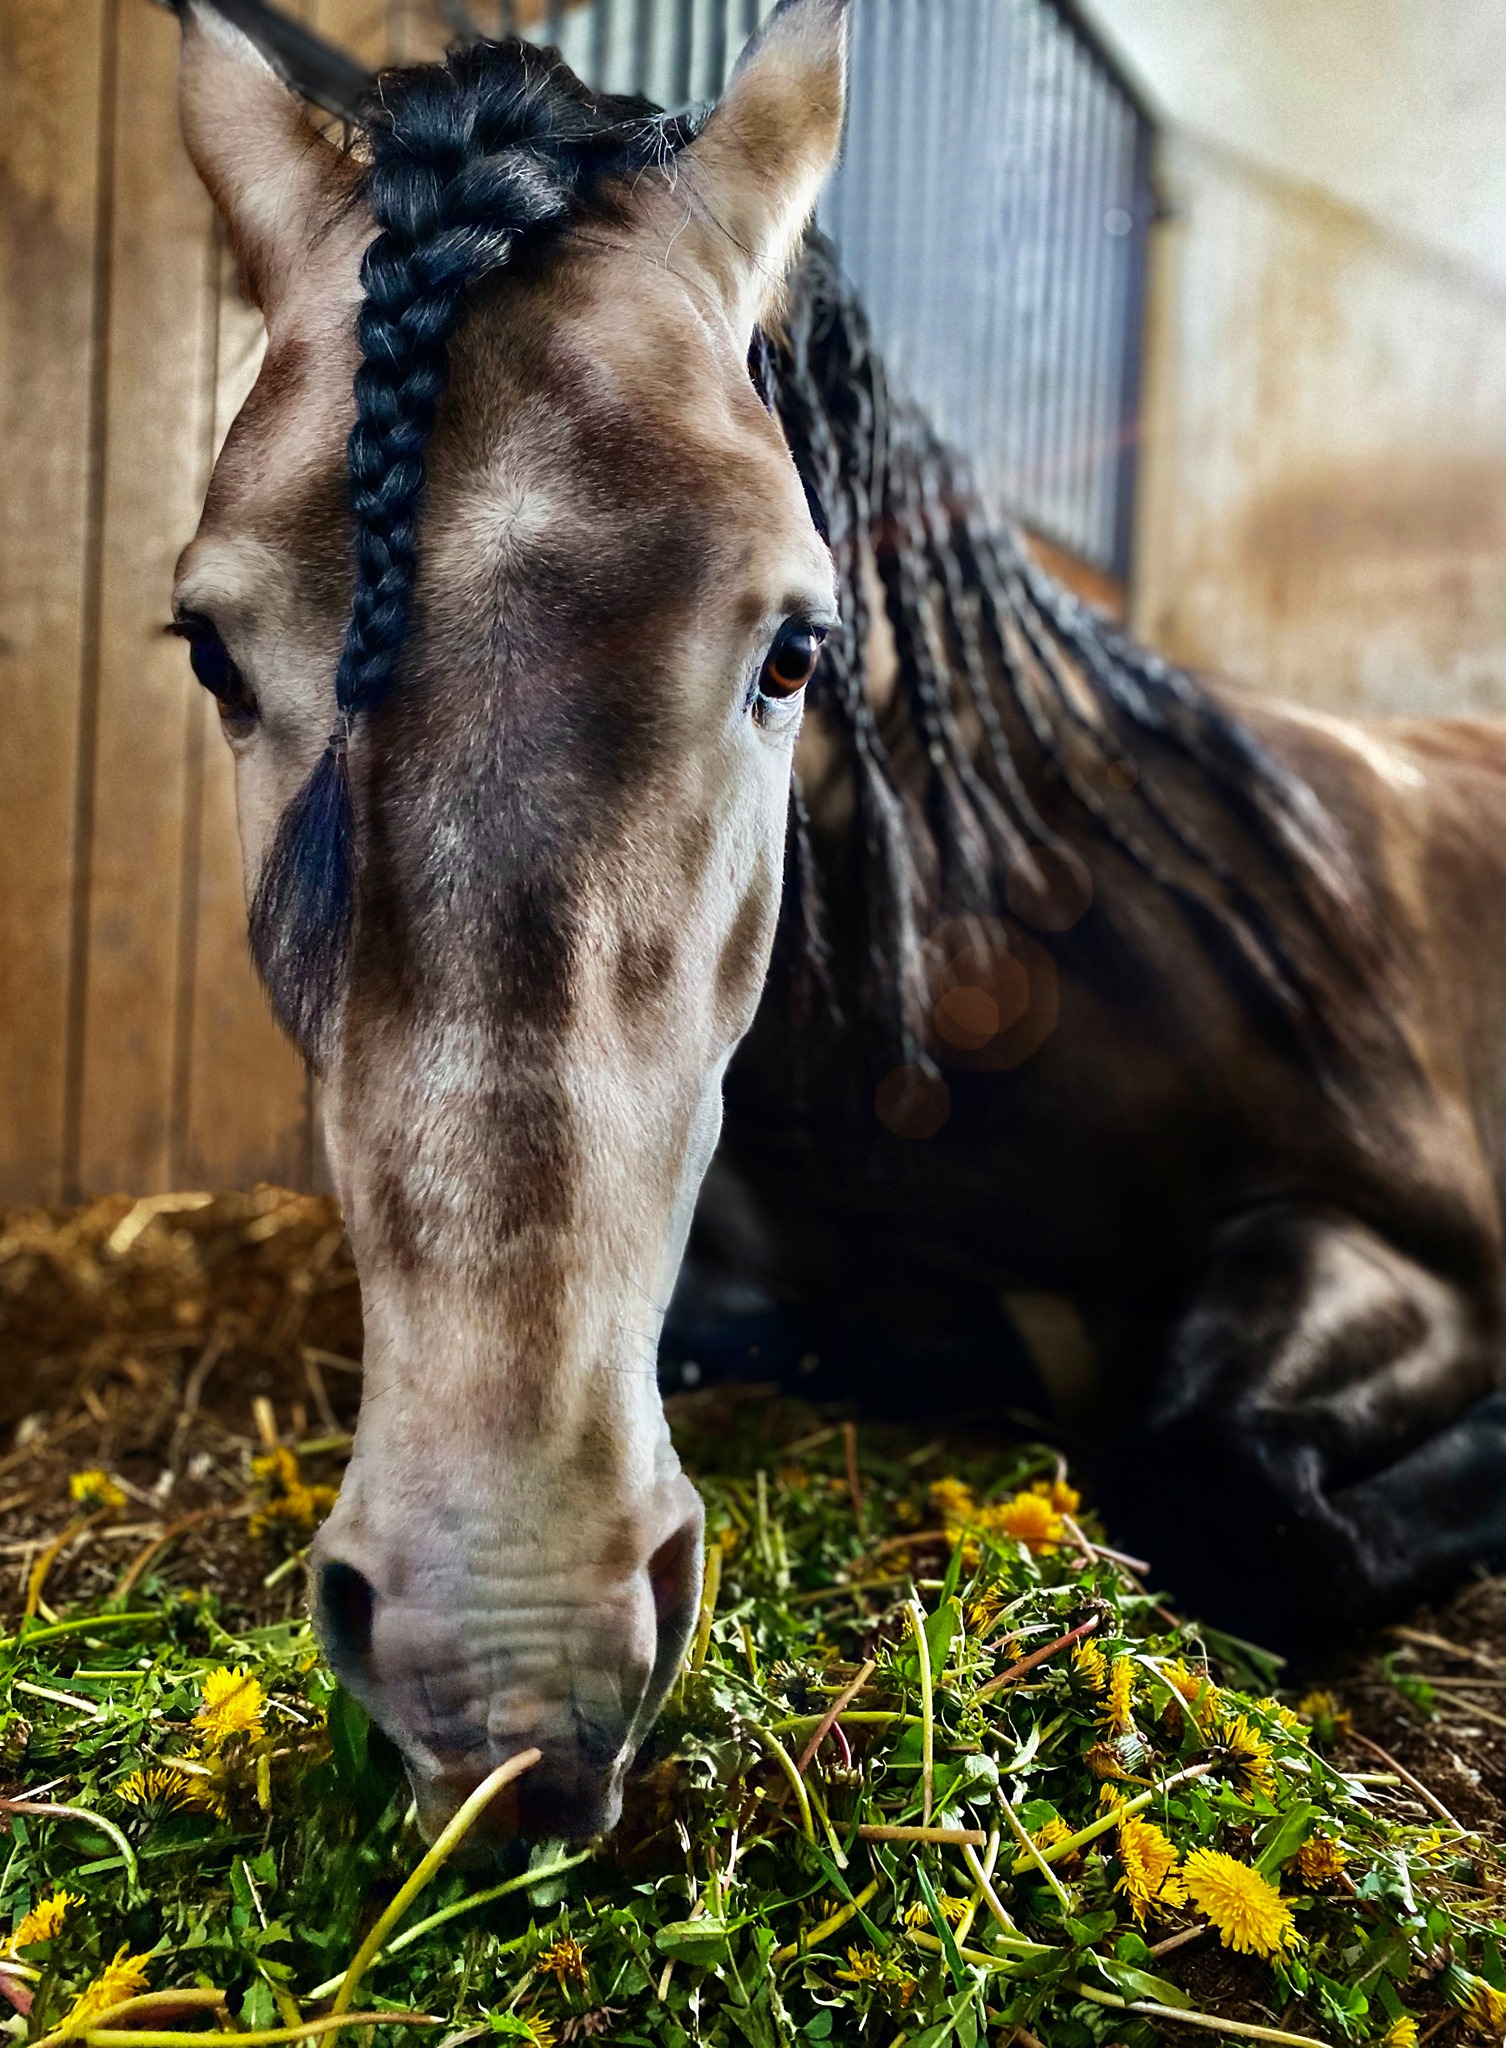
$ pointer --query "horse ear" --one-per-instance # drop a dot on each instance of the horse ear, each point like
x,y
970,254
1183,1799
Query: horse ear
x,y
762,157
273,177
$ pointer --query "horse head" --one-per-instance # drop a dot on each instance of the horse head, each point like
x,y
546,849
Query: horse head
x,y
507,589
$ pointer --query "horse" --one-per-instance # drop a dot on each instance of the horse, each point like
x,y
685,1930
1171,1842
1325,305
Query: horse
x,y
620,676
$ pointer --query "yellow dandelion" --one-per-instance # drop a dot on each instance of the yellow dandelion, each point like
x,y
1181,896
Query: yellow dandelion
x,y
1029,1519
124,1977
1247,1752
168,1789
1195,1689
1103,1760
1064,1498
1053,1832
233,1705
1118,1710
44,1919
864,1966
983,1611
1402,2033
1110,1795
95,1490
1250,1914
1327,1717
952,1500
564,1959
537,2031
297,1511
1090,1665
952,1910
276,1470
1320,1859
1149,1863
1484,2011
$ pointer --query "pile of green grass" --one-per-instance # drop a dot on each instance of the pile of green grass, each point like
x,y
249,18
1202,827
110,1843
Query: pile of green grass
x,y
230,1830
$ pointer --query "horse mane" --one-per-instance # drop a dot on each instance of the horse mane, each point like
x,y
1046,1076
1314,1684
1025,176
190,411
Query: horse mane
x,y
498,146
1273,895
502,146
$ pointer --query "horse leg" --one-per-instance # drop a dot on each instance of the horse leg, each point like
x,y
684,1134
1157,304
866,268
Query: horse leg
x,y
1325,1438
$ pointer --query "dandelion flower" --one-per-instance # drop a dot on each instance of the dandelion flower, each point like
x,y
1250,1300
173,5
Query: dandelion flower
x,y
95,1490
864,1966
1090,1665
1320,1859
1402,2033
119,1980
1047,1837
168,1789
952,1910
1250,1914
1149,1863
563,1959
1029,1519
1103,1760
1326,1717
1247,1752
1195,1689
296,1512
44,1919
1064,1498
952,1500
1110,1794
1484,2011
233,1705
276,1470
1117,1708
985,1609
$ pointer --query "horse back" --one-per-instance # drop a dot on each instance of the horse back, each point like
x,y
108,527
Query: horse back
x,y
1422,803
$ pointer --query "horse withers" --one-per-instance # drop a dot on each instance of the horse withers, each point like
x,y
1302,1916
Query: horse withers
x,y
1083,982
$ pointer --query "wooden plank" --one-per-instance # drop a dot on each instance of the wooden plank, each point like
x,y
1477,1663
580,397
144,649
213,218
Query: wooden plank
x,y
155,443
50,85
243,1110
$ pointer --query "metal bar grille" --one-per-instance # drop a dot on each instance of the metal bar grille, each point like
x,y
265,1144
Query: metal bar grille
x,y
992,206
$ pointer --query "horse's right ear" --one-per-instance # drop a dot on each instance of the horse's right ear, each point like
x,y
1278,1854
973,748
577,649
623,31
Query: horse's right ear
x,y
273,177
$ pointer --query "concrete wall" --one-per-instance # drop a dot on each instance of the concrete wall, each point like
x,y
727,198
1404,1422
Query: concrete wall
x,y
1323,484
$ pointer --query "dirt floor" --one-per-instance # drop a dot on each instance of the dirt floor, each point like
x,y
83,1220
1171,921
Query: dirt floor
x,y
165,1342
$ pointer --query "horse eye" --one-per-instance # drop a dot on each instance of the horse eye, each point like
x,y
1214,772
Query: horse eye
x,y
791,661
210,661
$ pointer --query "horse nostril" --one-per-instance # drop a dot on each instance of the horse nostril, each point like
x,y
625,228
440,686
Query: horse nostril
x,y
346,1605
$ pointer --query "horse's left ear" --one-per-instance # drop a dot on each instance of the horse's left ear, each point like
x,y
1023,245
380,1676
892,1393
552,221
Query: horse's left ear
x,y
275,180
760,161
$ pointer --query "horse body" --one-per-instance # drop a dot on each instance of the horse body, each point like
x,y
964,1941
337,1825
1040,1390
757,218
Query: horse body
x,y
1075,985
1291,1270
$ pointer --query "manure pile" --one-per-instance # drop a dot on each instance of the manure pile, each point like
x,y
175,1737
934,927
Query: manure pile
x,y
943,1767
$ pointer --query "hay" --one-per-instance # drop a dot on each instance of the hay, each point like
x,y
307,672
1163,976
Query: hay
x,y
901,1795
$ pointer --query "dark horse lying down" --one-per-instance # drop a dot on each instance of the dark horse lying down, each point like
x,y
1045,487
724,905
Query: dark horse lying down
x,y
1083,982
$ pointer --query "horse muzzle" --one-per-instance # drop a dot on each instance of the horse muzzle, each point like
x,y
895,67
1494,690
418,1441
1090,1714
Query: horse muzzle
x,y
464,1672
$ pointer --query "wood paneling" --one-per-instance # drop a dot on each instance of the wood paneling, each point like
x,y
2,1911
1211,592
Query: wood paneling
x,y
136,1048
154,434
53,68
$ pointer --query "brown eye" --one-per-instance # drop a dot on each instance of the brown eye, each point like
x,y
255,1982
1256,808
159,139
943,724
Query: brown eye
x,y
791,661
210,660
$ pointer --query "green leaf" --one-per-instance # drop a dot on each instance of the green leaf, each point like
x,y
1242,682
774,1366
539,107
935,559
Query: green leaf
x,y
1136,1983
695,1941
943,1928
1279,1840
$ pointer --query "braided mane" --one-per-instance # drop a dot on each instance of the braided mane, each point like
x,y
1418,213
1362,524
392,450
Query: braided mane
x,y
499,143
981,631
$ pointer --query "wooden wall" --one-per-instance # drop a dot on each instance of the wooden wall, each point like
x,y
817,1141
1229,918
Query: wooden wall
x,y
136,1051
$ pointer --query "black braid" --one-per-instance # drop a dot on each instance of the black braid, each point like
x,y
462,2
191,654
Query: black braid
x,y
979,630
499,142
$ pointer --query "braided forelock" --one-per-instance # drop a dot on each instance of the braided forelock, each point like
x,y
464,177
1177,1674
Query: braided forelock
x,y
468,157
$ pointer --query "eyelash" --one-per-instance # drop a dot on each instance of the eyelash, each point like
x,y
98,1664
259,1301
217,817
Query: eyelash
x,y
216,672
